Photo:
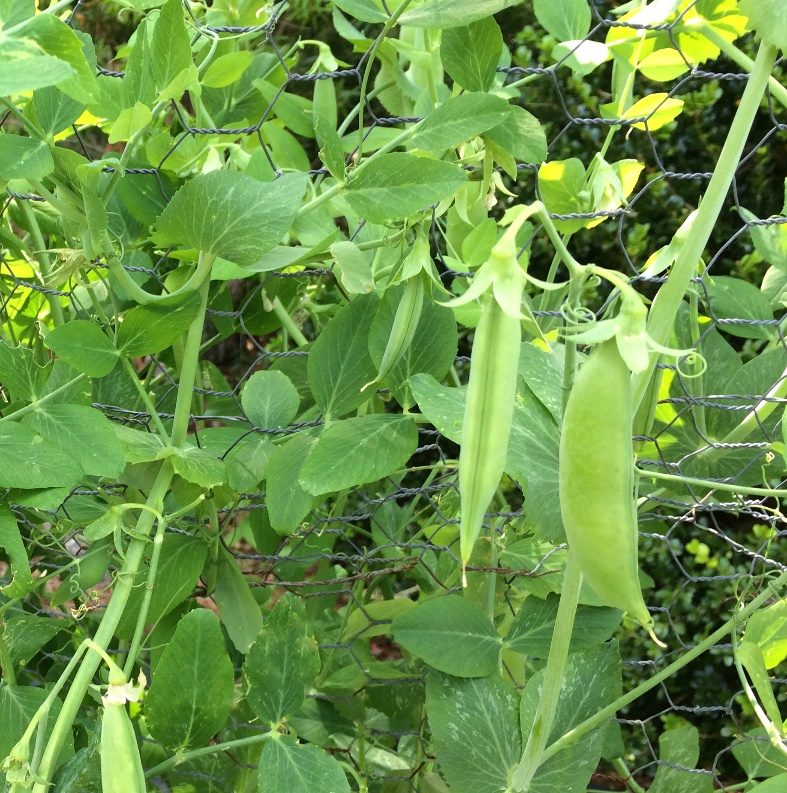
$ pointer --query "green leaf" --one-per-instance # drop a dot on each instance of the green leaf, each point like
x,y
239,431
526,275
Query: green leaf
x,y
287,502
432,350
475,728
560,183
227,69
768,18
370,448
26,634
395,186
751,657
564,19
354,266
231,215
137,87
732,298
757,756
375,619
55,111
24,69
769,241
14,12
532,628
152,328
363,10
522,136
239,612
138,446
282,663
24,158
20,374
460,119
180,564
542,371
330,147
768,629
680,747
287,766
339,364
658,109
84,346
470,54
197,466
447,14
129,122
170,46
29,462
12,544
84,433
775,785
186,710
452,635
270,400
247,462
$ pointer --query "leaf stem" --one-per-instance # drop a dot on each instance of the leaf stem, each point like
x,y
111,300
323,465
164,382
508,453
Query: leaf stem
x,y
23,411
711,484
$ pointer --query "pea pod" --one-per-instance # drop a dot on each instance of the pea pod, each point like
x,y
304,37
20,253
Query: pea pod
x,y
121,767
489,410
596,475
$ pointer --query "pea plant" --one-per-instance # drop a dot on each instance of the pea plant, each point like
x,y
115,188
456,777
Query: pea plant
x,y
378,401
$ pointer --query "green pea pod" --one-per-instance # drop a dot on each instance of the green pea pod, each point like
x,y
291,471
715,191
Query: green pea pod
x,y
408,313
121,768
596,475
489,410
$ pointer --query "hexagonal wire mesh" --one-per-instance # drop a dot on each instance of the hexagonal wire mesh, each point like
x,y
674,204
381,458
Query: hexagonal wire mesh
x,y
326,564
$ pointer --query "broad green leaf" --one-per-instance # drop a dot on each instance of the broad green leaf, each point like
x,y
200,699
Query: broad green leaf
x,y
57,40
733,298
664,65
197,466
226,69
24,158
560,183
287,766
84,433
14,12
287,502
84,346
475,727
231,215
769,241
470,54
270,400
768,629
582,57
13,547
354,266
460,119
542,370
239,612
432,350
680,747
247,462
521,135
370,448
563,19
339,364
55,111
110,522
375,619
180,564
138,87
452,635
18,705
395,186
29,461
775,785
532,628
330,147
152,328
20,374
282,663
592,681
451,13
769,19
26,70
295,111
138,446
187,710
658,109
751,657
170,46
129,122
26,634
363,10
756,755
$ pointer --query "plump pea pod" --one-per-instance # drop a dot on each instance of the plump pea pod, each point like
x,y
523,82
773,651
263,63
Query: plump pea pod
x,y
489,410
596,473
408,313
121,768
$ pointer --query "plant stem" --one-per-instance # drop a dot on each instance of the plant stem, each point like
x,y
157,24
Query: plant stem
x,y
608,712
288,323
533,755
728,487
6,665
665,307
625,775
18,414
146,400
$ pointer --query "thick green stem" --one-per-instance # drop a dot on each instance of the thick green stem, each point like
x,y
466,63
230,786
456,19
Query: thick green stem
x,y
728,487
288,324
608,712
553,677
671,294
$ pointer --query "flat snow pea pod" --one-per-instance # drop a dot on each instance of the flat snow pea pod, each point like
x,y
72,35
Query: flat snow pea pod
x,y
596,480
489,410
121,767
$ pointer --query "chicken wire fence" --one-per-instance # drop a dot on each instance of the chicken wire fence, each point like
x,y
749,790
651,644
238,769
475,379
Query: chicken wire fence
x,y
705,548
